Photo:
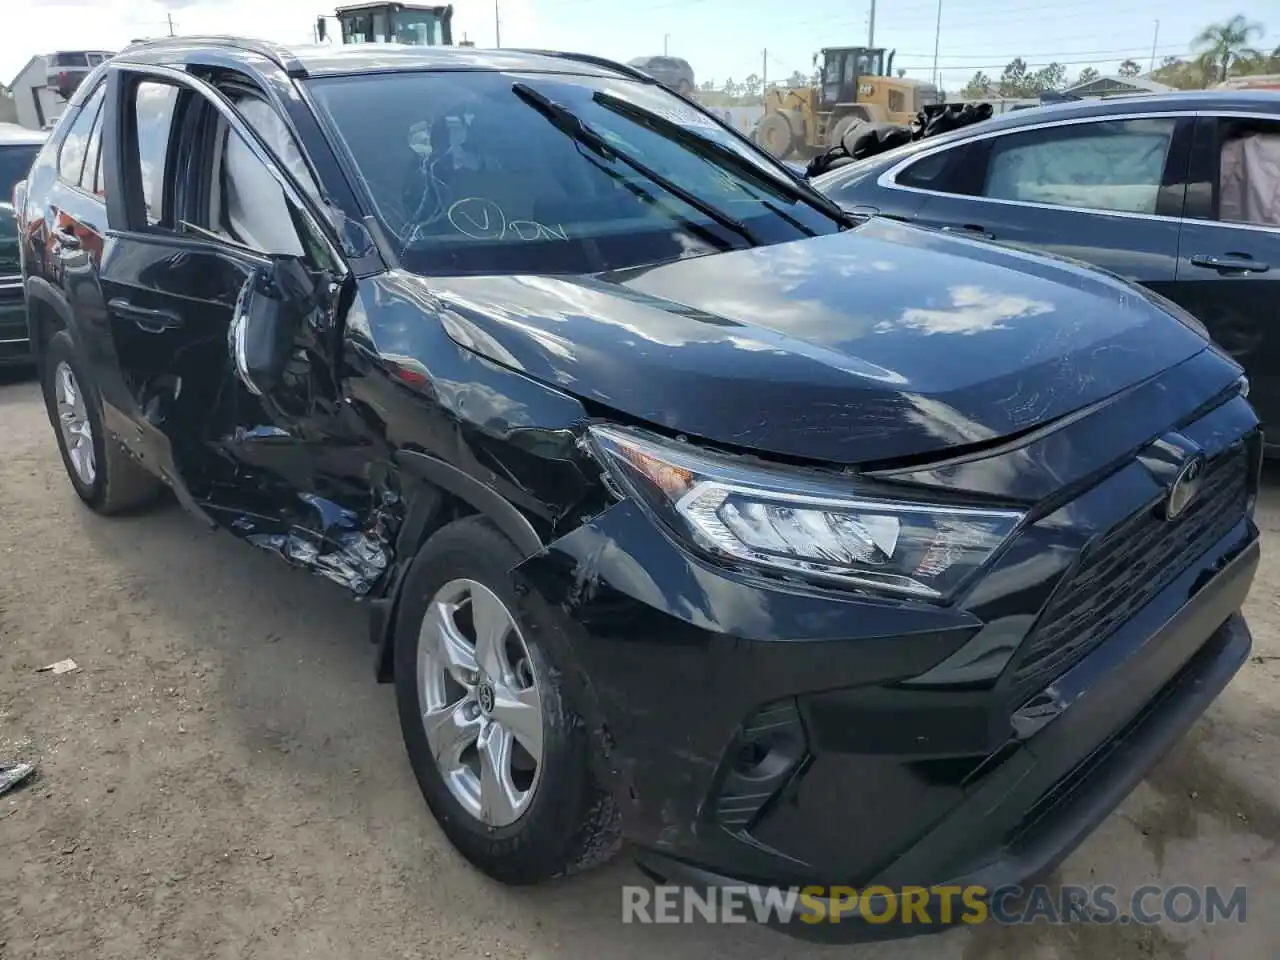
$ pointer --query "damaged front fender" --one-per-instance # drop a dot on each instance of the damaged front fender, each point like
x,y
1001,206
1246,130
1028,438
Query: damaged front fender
x,y
665,656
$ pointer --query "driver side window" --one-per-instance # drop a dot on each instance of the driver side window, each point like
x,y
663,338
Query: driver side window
x,y
246,203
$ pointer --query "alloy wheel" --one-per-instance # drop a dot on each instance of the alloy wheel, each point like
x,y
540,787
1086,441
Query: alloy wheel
x,y
73,421
479,700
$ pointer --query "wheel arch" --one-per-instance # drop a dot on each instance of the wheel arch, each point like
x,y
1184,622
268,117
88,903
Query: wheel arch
x,y
47,313
438,493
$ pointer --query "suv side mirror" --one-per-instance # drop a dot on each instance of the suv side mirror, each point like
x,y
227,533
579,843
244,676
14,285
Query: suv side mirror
x,y
268,315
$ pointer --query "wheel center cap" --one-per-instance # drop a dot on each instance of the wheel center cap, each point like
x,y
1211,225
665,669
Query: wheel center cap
x,y
485,696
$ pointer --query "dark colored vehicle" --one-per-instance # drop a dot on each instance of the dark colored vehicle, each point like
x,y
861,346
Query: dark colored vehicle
x,y
67,69
18,149
672,72
1133,185
791,547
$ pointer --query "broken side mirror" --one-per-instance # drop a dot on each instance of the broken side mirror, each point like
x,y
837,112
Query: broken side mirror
x,y
268,315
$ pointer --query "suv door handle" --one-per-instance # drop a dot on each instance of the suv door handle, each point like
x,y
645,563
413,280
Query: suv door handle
x,y
145,319
1231,263
970,228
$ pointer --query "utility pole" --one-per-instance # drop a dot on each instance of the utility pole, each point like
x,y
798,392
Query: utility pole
x,y
1154,40
170,16
665,38
871,26
937,34
497,25
764,73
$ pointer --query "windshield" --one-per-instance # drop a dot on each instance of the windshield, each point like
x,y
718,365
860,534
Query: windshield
x,y
469,178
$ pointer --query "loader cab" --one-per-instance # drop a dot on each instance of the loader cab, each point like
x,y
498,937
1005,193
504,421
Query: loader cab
x,y
414,24
842,68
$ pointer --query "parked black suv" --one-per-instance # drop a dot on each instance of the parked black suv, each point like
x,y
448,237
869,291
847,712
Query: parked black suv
x,y
796,548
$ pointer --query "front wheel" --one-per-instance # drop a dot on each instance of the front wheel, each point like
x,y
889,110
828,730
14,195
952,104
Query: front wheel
x,y
501,758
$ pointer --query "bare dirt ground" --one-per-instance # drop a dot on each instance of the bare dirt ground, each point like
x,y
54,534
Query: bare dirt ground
x,y
223,778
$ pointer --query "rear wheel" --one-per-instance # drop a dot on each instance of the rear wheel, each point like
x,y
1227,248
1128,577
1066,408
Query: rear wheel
x,y
500,756
101,471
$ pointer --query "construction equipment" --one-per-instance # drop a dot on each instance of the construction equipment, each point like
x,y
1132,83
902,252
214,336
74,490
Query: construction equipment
x,y
856,84
415,24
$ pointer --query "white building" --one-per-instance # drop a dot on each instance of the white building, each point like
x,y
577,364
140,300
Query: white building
x,y
36,104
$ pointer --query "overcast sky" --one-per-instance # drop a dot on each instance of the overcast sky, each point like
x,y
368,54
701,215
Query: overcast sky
x,y
721,38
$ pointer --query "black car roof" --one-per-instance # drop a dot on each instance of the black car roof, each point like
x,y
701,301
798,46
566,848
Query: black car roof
x,y
324,60
1252,101
1182,101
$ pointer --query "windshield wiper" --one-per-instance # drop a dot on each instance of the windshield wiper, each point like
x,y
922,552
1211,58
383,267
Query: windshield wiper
x,y
784,184
571,125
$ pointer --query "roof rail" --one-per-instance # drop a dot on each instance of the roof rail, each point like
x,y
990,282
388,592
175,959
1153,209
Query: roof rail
x,y
280,55
592,59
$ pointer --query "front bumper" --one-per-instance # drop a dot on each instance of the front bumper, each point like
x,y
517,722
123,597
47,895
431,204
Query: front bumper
x,y
768,734
1022,821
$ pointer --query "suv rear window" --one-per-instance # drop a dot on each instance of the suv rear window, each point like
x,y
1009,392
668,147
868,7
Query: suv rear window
x,y
76,59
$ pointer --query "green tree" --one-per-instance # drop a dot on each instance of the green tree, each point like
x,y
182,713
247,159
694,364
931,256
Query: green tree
x,y
1195,74
1225,44
1129,68
797,80
978,87
1087,75
1052,77
731,89
1013,79
707,86
751,85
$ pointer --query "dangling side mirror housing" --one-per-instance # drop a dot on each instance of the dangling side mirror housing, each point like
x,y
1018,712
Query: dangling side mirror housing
x,y
269,312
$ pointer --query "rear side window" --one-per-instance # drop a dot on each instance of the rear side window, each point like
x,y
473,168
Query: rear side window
x,y
154,108
75,145
89,176
78,59
1110,165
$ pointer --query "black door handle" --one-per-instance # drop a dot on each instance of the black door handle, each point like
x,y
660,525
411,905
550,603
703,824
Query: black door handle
x,y
972,228
1230,263
146,319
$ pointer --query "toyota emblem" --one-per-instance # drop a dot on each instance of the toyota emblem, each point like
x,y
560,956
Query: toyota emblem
x,y
1184,488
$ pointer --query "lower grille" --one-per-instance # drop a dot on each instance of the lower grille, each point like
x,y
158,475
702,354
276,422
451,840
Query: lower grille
x,y
1120,574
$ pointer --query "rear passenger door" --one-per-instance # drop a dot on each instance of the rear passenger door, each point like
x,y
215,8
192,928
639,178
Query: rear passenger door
x,y
1108,191
1229,262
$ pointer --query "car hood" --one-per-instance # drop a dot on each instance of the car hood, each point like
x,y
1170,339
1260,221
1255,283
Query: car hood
x,y
882,342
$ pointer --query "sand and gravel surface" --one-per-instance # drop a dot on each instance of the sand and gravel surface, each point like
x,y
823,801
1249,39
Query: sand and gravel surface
x,y
221,777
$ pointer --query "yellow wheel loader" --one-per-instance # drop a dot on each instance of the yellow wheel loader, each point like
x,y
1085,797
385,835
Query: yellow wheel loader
x,y
856,85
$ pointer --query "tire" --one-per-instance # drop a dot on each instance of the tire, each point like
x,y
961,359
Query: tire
x,y
775,135
842,127
115,481
684,87
570,822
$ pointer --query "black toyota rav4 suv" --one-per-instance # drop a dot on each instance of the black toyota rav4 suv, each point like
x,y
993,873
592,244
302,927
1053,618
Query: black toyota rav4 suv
x,y
791,547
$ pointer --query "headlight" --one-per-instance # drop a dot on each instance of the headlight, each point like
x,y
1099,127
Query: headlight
x,y
805,524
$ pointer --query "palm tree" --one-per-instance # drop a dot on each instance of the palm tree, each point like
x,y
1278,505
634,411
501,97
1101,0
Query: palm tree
x,y
1224,44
